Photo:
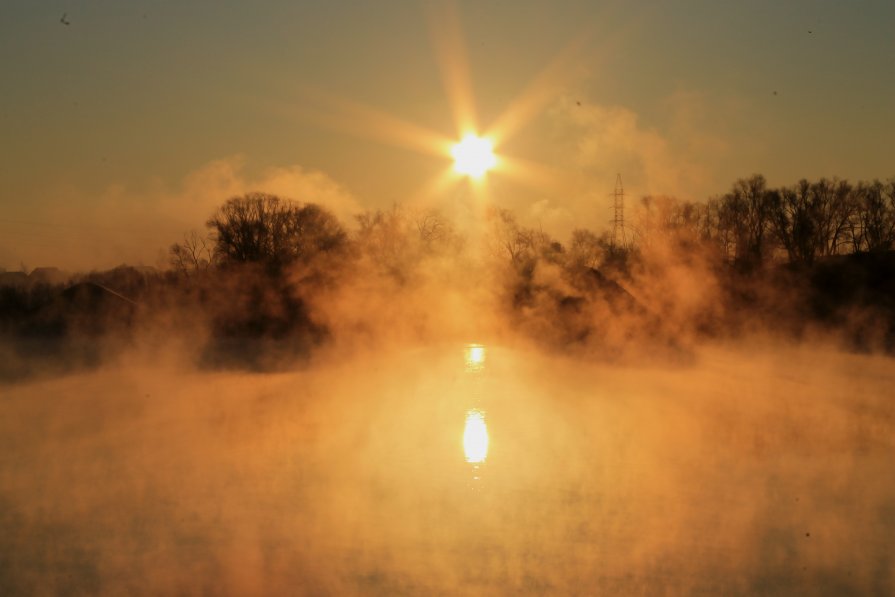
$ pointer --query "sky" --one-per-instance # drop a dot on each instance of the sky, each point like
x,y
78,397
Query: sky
x,y
127,125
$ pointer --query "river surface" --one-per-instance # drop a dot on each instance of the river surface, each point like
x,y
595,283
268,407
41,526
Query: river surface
x,y
469,469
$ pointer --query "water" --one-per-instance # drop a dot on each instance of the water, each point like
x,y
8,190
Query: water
x,y
458,470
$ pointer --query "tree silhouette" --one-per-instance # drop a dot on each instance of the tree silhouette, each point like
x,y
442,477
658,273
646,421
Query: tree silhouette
x,y
192,255
746,211
793,223
815,220
875,217
266,229
523,246
833,206
586,249
397,242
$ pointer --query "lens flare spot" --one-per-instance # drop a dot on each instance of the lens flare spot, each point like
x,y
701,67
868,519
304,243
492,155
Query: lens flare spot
x,y
473,156
475,437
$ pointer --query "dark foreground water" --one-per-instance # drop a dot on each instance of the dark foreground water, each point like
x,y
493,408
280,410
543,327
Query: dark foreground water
x,y
462,470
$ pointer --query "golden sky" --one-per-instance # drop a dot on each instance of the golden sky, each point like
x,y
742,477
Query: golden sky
x,y
127,124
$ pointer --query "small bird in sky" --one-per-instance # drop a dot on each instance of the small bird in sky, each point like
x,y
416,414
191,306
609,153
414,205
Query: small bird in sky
x,y
810,31
63,21
775,93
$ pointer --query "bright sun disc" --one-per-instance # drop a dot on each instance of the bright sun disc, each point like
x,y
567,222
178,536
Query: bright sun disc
x,y
473,156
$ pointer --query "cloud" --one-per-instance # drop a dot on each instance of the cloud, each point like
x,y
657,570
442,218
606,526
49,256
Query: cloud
x,y
550,216
77,231
681,150
210,185
605,140
586,144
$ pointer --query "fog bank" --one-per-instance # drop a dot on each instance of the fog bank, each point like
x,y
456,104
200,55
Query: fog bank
x,y
759,469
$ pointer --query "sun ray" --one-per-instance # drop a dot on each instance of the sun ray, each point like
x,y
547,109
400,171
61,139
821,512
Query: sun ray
x,y
541,91
532,174
435,187
450,52
549,83
323,108
352,117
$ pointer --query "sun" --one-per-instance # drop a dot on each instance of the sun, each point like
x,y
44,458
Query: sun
x,y
473,156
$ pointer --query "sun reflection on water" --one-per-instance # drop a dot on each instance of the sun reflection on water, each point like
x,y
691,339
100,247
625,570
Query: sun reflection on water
x,y
475,437
475,357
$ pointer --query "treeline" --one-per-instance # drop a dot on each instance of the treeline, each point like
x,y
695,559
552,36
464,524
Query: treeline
x,y
801,224
811,259
811,256
270,279
751,225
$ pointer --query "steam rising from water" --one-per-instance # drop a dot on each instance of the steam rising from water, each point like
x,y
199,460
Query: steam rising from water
x,y
765,470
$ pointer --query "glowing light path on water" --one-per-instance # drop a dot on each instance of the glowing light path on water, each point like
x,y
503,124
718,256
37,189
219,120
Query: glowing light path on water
x,y
475,354
475,358
475,437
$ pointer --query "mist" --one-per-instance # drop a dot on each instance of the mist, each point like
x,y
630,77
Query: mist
x,y
407,406
447,298
759,468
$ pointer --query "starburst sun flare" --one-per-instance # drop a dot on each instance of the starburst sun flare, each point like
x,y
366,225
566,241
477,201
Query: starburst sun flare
x,y
473,156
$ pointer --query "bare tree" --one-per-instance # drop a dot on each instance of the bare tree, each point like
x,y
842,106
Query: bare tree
x,y
398,241
384,238
714,229
793,222
434,230
746,211
587,249
875,229
193,254
686,224
266,229
507,237
833,204
313,230
523,247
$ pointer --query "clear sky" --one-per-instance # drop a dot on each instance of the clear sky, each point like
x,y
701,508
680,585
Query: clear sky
x,y
127,126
